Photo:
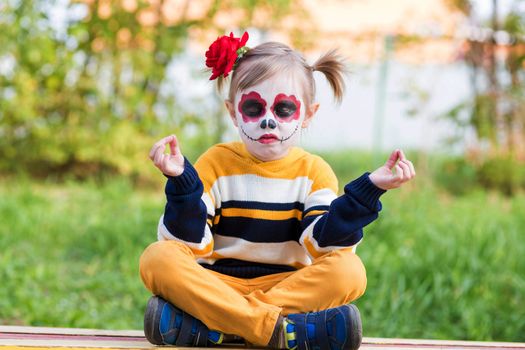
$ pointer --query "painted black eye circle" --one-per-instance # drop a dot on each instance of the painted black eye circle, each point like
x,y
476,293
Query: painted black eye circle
x,y
252,108
285,109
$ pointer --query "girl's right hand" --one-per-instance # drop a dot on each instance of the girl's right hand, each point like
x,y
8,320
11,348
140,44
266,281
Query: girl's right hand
x,y
171,164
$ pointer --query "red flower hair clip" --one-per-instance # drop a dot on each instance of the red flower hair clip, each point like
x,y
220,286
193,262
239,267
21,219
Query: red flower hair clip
x,y
224,53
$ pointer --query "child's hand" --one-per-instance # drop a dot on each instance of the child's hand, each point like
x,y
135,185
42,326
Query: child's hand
x,y
171,164
385,179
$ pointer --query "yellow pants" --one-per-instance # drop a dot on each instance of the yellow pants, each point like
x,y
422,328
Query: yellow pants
x,y
249,308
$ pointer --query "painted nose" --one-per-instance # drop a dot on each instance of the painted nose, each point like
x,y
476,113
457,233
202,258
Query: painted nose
x,y
270,123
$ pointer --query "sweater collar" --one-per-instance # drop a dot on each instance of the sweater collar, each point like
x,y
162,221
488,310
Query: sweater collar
x,y
293,154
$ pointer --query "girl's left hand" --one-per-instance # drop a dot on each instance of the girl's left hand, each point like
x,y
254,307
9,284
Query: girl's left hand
x,y
386,179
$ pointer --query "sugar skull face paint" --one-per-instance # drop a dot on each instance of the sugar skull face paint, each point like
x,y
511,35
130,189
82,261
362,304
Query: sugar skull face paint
x,y
252,107
269,133
286,108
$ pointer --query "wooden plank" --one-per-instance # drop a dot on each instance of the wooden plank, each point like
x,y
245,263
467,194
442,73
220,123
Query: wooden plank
x,y
16,347
444,343
48,337
74,331
24,338
54,344
57,340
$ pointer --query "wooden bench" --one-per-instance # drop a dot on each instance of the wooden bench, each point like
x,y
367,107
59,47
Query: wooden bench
x,y
25,338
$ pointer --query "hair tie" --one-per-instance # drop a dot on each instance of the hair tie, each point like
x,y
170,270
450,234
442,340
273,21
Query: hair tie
x,y
224,54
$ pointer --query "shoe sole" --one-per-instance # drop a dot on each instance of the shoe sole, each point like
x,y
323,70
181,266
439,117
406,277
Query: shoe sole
x,y
152,321
356,334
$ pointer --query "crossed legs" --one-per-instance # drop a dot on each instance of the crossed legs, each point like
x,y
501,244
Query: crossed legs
x,y
249,308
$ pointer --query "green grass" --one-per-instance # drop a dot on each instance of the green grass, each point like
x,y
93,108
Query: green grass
x,y
70,253
442,267
438,266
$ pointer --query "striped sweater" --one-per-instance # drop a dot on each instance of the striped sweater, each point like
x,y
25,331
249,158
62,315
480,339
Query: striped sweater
x,y
247,218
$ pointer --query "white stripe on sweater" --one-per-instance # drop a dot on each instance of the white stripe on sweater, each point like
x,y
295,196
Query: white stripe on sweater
x,y
285,253
323,196
210,208
260,189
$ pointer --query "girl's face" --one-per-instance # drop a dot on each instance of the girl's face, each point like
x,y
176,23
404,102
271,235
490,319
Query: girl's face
x,y
269,116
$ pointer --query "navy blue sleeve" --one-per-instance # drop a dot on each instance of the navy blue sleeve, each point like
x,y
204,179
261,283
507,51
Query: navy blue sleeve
x,y
185,213
342,224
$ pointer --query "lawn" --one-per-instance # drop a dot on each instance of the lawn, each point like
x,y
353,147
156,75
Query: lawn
x,y
439,266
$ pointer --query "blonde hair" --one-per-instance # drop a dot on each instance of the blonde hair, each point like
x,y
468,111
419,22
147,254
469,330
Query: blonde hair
x,y
268,59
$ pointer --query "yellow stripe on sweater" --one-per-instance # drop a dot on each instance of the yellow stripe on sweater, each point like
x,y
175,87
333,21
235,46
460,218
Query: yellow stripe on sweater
x,y
315,212
262,214
203,252
311,249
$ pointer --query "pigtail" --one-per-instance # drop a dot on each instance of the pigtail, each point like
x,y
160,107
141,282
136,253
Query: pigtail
x,y
332,65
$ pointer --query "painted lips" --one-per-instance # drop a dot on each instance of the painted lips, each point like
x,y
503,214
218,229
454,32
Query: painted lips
x,y
268,138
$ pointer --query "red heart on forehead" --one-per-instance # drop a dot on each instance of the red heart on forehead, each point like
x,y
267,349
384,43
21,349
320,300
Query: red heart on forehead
x,y
291,98
251,96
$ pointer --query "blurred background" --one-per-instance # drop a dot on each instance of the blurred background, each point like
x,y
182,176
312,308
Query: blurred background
x,y
87,86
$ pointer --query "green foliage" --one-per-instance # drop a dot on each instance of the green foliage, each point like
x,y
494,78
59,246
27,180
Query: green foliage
x,y
464,6
457,175
495,113
90,95
504,173
81,102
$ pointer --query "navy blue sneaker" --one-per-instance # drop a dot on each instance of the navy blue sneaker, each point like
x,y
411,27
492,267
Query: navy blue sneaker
x,y
338,328
165,324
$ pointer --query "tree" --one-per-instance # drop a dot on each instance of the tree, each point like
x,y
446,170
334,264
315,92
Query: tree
x,y
87,95
495,55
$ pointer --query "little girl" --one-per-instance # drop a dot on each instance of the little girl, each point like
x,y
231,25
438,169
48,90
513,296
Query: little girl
x,y
254,241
